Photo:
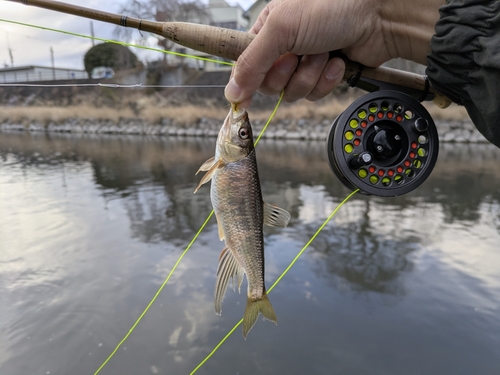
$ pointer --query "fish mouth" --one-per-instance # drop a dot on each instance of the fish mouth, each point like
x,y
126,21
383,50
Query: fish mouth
x,y
237,113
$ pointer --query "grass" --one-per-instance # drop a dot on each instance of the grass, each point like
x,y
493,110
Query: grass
x,y
154,108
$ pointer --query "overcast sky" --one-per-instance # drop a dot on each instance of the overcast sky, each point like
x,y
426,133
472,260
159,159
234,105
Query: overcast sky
x,y
31,46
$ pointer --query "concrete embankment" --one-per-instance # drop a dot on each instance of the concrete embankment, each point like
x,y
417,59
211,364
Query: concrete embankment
x,y
449,131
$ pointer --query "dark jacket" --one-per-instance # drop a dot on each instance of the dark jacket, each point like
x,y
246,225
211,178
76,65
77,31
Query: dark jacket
x,y
465,61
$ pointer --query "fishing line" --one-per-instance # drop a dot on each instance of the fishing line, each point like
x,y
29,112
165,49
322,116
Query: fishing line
x,y
181,256
279,278
156,295
118,42
270,118
111,85
212,212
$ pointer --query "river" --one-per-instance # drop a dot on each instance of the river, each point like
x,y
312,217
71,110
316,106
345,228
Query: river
x,y
90,227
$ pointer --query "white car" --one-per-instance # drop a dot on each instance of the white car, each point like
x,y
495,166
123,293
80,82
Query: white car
x,y
102,72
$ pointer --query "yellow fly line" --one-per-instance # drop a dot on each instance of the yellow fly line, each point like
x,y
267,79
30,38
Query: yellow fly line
x,y
211,213
278,279
118,42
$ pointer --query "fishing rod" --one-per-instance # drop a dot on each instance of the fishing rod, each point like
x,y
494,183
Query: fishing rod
x,y
385,143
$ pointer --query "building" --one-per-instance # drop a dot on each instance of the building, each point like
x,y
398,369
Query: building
x,y
32,73
227,16
252,14
221,15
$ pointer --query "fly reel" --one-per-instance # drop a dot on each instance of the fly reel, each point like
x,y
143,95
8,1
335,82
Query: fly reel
x,y
385,143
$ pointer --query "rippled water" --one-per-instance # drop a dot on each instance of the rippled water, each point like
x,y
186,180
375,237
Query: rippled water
x,y
91,226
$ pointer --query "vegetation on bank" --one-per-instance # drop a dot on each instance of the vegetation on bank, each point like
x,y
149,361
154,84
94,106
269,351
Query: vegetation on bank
x,y
183,105
154,108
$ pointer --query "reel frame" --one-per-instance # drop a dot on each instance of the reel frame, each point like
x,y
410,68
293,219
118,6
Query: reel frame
x,y
385,143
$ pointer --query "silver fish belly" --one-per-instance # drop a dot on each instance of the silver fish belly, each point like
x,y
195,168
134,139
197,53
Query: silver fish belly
x,y
240,211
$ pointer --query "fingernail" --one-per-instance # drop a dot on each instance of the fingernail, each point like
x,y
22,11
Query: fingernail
x,y
333,71
232,91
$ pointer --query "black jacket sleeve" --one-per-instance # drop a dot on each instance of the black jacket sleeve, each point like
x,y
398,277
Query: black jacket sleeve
x,y
464,63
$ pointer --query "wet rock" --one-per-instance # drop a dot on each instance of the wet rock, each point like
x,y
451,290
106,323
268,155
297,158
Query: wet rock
x,y
307,129
36,127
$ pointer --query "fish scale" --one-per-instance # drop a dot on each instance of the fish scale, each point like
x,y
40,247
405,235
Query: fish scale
x,y
241,213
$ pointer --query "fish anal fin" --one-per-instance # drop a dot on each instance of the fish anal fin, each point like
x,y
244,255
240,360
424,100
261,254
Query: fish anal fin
x,y
275,216
252,310
206,165
228,269
208,176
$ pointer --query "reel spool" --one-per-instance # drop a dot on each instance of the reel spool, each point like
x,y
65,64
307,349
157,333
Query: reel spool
x,y
385,143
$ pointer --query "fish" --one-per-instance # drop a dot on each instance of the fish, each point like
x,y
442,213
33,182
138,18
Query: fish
x,y
240,211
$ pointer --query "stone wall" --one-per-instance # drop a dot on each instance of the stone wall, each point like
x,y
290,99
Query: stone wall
x,y
449,131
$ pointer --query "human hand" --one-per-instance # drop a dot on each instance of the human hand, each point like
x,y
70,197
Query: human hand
x,y
370,32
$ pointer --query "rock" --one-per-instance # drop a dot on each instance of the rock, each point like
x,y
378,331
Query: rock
x,y
293,135
35,127
190,132
448,131
280,134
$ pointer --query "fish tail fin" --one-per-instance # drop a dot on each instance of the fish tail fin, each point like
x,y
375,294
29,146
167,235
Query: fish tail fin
x,y
252,310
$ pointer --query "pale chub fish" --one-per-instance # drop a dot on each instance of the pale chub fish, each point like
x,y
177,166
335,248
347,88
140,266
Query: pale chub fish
x,y
240,211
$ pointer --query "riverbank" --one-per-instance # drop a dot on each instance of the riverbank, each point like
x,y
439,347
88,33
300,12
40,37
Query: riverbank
x,y
462,131
189,111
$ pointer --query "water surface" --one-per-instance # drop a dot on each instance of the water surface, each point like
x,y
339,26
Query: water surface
x,y
91,226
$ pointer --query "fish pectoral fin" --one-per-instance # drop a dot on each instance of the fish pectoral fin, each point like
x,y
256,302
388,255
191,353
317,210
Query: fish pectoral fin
x,y
275,216
228,269
252,310
219,228
206,165
208,176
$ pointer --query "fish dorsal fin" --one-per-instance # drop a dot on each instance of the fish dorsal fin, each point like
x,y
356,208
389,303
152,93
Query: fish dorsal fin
x,y
220,229
275,216
208,176
228,269
206,165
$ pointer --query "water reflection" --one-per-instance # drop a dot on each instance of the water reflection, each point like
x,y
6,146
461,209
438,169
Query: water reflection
x,y
359,250
112,213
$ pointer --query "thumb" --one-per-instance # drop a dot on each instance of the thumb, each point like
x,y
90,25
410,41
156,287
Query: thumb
x,y
253,65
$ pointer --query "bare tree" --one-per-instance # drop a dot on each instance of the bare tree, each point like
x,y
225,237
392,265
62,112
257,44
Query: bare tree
x,y
163,11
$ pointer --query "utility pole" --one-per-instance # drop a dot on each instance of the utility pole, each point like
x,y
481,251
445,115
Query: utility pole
x,y
92,33
53,66
10,51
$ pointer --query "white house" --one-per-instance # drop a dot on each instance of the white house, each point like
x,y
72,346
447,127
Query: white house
x,y
222,15
227,16
253,12
32,73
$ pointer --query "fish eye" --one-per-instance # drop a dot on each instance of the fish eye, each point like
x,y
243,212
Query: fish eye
x,y
243,133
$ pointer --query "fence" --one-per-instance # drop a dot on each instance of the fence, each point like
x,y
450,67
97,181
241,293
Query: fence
x,y
40,74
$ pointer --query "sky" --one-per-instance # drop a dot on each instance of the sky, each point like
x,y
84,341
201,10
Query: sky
x,y
32,46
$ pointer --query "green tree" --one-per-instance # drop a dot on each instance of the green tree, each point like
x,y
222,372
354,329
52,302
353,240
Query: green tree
x,y
109,54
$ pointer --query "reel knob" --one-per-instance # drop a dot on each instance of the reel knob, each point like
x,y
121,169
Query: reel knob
x,y
385,143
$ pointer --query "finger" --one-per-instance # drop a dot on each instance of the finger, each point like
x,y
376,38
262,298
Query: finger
x,y
245,103
331,77
252,66
261,20
279,75
305,77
